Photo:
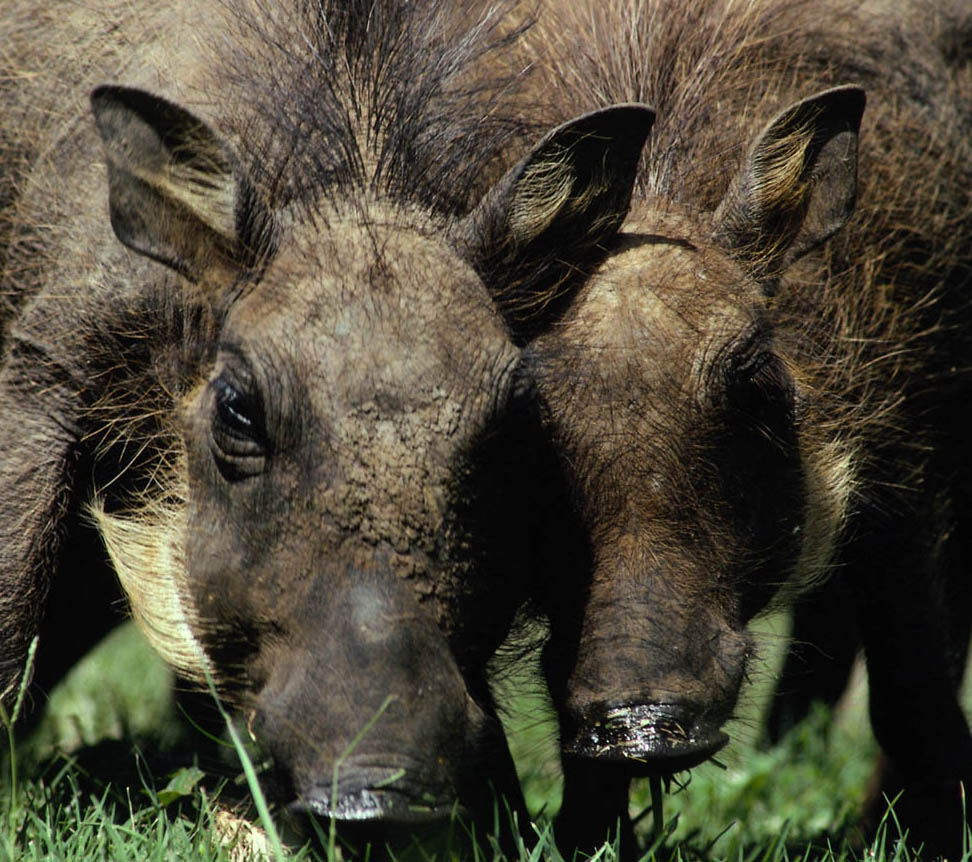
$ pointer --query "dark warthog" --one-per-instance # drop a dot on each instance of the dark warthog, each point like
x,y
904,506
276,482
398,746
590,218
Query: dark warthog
x,y
284,402
744,409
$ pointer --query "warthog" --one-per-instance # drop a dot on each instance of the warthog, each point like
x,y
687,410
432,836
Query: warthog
x,y
258,375
766,385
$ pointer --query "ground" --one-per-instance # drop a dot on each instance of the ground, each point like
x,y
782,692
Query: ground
x,y
112,720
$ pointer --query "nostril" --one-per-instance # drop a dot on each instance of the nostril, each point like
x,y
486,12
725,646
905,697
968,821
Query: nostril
x,y
649,738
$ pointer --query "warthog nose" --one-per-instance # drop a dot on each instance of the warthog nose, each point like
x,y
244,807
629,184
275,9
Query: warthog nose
x,y
647,738
385,795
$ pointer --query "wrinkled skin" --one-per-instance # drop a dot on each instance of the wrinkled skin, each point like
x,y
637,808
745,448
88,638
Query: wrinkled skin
x,y
762,388
310,409
268,387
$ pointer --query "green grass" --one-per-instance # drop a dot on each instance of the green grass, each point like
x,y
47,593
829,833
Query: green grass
x,y
108,774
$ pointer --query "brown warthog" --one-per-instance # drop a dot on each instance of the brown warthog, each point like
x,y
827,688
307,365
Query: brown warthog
x,y
745,408
258,375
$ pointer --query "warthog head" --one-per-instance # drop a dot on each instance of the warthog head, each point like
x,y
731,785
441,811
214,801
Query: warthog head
x,y
338,534
683,424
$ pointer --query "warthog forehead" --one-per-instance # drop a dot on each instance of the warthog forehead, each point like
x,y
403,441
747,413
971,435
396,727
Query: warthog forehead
x,y
378,316
647,333
663,289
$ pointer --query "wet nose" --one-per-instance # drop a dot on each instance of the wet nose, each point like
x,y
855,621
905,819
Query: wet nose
x,y
392,795
649,738
654,697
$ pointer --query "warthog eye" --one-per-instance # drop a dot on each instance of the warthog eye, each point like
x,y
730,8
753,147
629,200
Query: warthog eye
x,y
758,379
238,427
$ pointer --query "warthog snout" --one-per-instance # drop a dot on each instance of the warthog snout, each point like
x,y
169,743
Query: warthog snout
x,y
364,793
664,737
655,706
370,661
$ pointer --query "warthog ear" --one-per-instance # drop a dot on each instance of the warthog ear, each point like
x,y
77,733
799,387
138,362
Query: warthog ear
x,y
798,185
176,190
554,210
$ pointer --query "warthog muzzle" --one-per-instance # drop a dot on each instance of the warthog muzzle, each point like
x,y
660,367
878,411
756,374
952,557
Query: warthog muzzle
x,y
650,739
389,795
365,711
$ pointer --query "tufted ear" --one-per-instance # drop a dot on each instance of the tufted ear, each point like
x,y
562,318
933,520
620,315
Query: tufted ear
x,y
177,192
547,216
798,185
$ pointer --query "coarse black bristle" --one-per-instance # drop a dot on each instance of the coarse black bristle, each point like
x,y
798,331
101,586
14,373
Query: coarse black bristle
x,y
413,102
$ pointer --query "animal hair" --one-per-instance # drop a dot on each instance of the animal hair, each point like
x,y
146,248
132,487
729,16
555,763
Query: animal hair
x,y
147,548
329,103
371,97
874,323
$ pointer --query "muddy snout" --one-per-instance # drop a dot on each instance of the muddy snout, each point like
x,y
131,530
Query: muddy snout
x,y
369,719
655,706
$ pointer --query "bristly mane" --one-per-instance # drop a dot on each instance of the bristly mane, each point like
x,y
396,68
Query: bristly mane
x,y
718,64
371,97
